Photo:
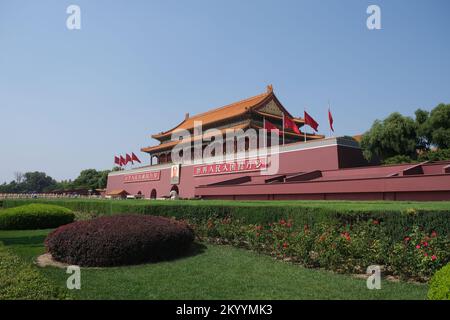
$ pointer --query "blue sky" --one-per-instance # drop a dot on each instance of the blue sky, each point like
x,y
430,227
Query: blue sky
x,y
71,100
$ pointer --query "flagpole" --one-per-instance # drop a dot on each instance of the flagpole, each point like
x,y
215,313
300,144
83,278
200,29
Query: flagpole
x,y
329,113
304,112
283,126
264,132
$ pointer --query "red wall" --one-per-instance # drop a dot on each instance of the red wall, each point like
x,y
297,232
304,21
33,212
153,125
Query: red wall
x,y
342,178
324,158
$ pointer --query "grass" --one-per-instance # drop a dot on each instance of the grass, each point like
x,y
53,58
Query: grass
x,y
20,280
214,272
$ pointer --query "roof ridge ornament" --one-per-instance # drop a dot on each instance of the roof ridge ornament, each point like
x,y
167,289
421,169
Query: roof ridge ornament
x,y
269,88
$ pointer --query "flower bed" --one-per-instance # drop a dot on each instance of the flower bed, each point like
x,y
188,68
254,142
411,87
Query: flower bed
x,y
119,240
342,247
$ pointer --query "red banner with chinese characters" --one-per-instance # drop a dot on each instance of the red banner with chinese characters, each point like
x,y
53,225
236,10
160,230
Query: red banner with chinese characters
x,y
144,176
237,166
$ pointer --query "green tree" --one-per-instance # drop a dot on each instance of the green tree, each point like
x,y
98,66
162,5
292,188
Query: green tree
x,y
395,135
36,182
423,135
103,179
11,187
91,179
63,185
436,128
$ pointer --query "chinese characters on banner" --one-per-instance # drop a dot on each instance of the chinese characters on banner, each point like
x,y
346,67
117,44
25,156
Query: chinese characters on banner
x,y
144,176
258,164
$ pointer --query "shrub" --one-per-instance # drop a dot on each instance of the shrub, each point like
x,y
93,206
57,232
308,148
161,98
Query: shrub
x,y
18,280
35,216
419,254
440,285
347,248
119,240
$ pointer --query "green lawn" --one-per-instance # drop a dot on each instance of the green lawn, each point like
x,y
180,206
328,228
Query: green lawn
x,y
214,272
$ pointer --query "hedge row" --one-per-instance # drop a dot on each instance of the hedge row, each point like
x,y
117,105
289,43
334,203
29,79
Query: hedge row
x,y
394,219
19,280
35,216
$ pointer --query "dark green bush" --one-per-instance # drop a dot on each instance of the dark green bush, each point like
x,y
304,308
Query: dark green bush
x,y
19,280
440,285
35,216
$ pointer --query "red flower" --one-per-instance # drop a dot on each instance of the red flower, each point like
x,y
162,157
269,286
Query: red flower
x,y
433,257
418,246
376,222
425,254
285,245
407,239
282,222
434,234
289,225
346,235
425,244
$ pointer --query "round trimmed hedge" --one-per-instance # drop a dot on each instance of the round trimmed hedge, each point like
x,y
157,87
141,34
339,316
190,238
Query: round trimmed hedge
x,y
35,216
440,284
119,240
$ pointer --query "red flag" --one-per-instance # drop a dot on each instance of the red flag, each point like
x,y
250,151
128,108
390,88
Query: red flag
x,y
128,159
117,160
122,161
311,122
289,123
330,119
135,158
269,126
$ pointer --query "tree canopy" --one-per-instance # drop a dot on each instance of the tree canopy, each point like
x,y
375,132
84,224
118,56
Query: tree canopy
x,y
400,138
30,182
435,126
39,182
91,179
395,135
